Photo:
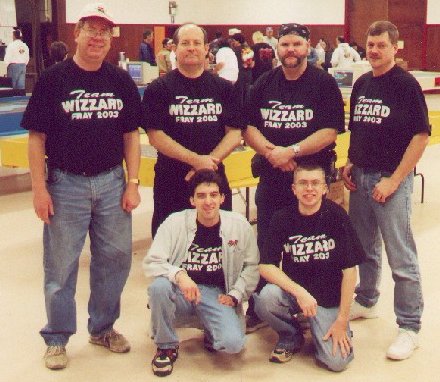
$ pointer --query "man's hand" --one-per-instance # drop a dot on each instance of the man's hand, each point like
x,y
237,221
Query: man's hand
x,y
306,302
280,157
205,161
346,177
383,189
225,299
43,205
188,287
338,332
131,197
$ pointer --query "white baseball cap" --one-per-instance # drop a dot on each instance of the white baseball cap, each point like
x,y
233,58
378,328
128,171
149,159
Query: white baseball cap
x,y
96,10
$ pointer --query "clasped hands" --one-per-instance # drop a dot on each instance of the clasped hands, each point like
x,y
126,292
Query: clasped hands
x,y
280,157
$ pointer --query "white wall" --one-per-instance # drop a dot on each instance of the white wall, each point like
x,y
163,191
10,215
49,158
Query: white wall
x,y
433,12
223,12
8,19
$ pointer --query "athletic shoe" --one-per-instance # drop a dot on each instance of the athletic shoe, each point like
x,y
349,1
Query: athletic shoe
x,y
359,311
207,344
280,355
112,340
55,357
162,363
404,345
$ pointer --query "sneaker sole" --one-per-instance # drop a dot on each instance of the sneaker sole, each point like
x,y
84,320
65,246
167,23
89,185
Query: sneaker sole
x,y
275,359
162,373
400,357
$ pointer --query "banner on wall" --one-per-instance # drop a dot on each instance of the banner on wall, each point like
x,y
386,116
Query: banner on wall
x,y
220,12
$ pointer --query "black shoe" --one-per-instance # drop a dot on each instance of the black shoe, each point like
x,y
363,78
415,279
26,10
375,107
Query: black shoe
x,y
162,363
207,344
253,323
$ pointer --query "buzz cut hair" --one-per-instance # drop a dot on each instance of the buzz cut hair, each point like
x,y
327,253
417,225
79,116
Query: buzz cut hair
x,y
176,34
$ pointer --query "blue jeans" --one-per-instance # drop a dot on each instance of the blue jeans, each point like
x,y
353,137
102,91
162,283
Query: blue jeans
x,y
17,72
276,307
85,205
391,221
169,309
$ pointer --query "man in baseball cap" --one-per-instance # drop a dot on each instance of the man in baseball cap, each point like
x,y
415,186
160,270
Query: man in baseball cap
x,y
87,128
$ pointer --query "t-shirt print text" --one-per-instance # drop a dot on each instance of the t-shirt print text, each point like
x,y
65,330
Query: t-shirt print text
x,y
198,110
304,248
370,110
83,105
280,115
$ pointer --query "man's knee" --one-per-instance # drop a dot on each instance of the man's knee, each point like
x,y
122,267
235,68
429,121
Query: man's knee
x,y
230,342
335,363
159,288
267,299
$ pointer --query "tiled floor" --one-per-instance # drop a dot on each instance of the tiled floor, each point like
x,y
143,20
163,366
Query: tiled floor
x,y
22,313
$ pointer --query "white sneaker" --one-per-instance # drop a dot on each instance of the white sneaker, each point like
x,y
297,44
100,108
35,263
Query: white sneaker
x,y
359,311
404,345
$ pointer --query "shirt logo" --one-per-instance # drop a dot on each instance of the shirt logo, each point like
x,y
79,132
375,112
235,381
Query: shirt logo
x,y
233,243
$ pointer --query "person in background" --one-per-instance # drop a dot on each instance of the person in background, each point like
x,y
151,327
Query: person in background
x,y
84,116
146,51
263,55
226,65
389,132
163,57
16,59
312,57
204,263
359,49
319,250
270,39
173,55
58,52
344,55
193,119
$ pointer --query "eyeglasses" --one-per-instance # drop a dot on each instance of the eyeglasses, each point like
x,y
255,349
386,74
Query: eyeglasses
x,y
105,34
305,184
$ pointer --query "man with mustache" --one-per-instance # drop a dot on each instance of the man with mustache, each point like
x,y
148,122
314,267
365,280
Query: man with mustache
x,y
193,120
294,112
389,132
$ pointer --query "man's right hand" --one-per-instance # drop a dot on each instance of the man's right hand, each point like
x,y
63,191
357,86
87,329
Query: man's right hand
x,y
346,177
188,287
306,302
205,161
43,205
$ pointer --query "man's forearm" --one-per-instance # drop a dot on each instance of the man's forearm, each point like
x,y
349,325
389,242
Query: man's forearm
x,y
132,153
317,141
37,162
349,278
275,275
256,140
229,142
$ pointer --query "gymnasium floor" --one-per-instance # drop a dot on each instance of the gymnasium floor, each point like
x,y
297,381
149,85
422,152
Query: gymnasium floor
x,y
22,312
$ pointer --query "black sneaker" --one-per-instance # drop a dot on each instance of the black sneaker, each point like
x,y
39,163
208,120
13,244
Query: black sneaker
x,y
253,323
163,360
207,344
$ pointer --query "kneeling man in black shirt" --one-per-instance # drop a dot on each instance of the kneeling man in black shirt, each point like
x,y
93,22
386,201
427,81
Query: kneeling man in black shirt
x,y
319,250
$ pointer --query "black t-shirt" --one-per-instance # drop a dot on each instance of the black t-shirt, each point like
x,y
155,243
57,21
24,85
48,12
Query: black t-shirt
x,y
263,56
314,249
385,113
192,111
84,115
287,112
204,261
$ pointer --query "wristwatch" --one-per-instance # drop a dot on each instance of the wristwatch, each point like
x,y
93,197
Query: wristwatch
x,y
296,148
133,180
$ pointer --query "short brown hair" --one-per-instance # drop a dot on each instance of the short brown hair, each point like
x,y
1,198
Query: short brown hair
x,y
379,27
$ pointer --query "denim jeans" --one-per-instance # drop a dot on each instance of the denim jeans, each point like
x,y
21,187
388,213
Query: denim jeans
x,y
169,309
391,221
85,205
276,307
17,72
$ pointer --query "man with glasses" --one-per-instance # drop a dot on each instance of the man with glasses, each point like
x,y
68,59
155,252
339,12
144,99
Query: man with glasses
x,y
192,119
319,250
295,112
84,116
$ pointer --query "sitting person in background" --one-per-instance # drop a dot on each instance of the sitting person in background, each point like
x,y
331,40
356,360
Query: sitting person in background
x,y
204,262
319,250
